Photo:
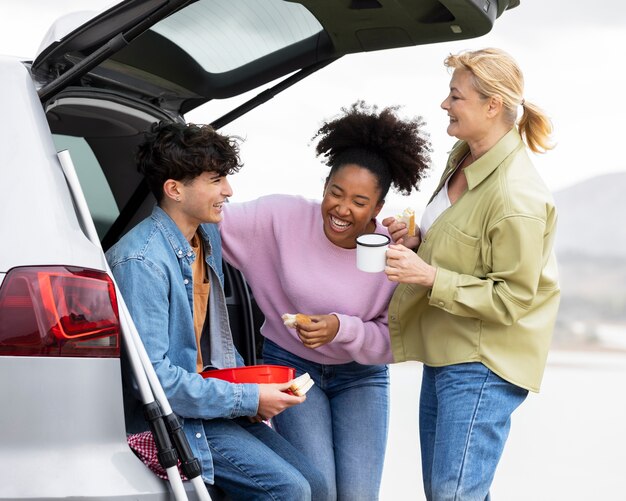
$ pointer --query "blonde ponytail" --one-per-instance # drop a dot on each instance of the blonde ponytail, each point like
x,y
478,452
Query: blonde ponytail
x,y
535,128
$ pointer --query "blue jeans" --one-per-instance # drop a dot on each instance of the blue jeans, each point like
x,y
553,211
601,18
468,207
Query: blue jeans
x,y
465,417
342,426
251,461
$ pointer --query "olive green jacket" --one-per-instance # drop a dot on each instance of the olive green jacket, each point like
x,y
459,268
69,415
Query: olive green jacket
x,y
496,292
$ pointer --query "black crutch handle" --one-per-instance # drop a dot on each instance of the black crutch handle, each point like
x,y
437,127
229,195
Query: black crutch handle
x,y
188,463
165,451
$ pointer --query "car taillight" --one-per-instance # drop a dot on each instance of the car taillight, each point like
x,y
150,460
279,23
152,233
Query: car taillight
x,y
58,311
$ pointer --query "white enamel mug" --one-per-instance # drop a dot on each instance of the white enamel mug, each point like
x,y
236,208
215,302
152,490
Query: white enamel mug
x,y
371,252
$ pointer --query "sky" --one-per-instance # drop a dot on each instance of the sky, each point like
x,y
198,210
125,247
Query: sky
x,y
570,54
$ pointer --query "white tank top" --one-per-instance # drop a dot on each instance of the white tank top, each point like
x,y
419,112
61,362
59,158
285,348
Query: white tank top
x,y
435,208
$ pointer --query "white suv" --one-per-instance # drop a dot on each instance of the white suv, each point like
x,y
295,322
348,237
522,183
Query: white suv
x,y
93,93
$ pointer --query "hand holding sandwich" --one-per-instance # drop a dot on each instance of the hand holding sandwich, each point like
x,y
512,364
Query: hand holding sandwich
x,y
399,232
274,399
313,330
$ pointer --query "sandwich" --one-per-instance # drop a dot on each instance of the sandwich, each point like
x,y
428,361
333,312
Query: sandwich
x,y
291,319
408,217
301,385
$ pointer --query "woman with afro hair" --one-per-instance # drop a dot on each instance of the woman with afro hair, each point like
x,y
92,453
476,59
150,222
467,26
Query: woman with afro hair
x,y
299,256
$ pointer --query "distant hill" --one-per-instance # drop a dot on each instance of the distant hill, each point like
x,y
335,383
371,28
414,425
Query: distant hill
x,y
591,217
591,252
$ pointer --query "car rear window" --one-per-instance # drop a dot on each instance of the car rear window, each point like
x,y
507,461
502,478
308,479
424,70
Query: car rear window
x,y
245,30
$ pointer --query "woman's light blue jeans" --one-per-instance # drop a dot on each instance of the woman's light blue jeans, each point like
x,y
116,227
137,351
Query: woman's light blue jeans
x,y
342,426
465,417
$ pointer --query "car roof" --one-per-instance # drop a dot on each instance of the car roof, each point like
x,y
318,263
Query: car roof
x,y
181,54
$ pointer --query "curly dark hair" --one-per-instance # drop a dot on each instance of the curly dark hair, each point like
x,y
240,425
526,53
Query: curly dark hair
x,y
396,151
183,152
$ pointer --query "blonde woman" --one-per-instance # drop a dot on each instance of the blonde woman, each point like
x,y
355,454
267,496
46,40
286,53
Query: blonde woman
x,y
478,301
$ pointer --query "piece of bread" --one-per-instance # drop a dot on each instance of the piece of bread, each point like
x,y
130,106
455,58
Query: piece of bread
x,y
408,217
301,385
291,319
301,391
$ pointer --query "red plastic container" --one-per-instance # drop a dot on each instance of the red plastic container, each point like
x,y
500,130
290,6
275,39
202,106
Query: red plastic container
x,y
253,374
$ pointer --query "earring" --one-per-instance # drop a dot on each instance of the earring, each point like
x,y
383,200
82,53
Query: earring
x,y
178,199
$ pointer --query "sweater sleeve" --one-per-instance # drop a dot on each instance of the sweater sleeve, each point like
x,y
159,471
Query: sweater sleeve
x,y
366,342
244,228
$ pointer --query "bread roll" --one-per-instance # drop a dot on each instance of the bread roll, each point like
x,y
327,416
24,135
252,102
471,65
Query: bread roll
x,y
408,217
291,319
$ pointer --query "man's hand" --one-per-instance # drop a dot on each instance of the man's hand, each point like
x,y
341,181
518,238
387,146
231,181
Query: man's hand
x,y
398,232
273,400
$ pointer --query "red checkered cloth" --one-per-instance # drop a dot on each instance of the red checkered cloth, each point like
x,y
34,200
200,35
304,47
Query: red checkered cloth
x,y
145,448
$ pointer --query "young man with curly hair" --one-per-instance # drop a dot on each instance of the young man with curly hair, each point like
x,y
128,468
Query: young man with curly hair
x,y
169,270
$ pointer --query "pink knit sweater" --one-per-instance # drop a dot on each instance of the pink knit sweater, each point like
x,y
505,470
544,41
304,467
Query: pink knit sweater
x,y
278,243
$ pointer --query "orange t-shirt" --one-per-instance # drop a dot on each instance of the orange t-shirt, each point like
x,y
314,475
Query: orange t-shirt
x,y
201,288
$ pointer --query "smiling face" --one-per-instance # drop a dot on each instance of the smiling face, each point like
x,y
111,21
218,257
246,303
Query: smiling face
x,y
202,198
467,109
351,202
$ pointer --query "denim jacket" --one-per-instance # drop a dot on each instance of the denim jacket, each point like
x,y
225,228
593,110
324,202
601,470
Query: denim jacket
x,y
152,267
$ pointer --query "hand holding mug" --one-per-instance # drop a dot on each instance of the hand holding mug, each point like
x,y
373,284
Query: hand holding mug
x,y
405,266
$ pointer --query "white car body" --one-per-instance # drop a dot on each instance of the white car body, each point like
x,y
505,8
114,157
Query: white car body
x,y
51,449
